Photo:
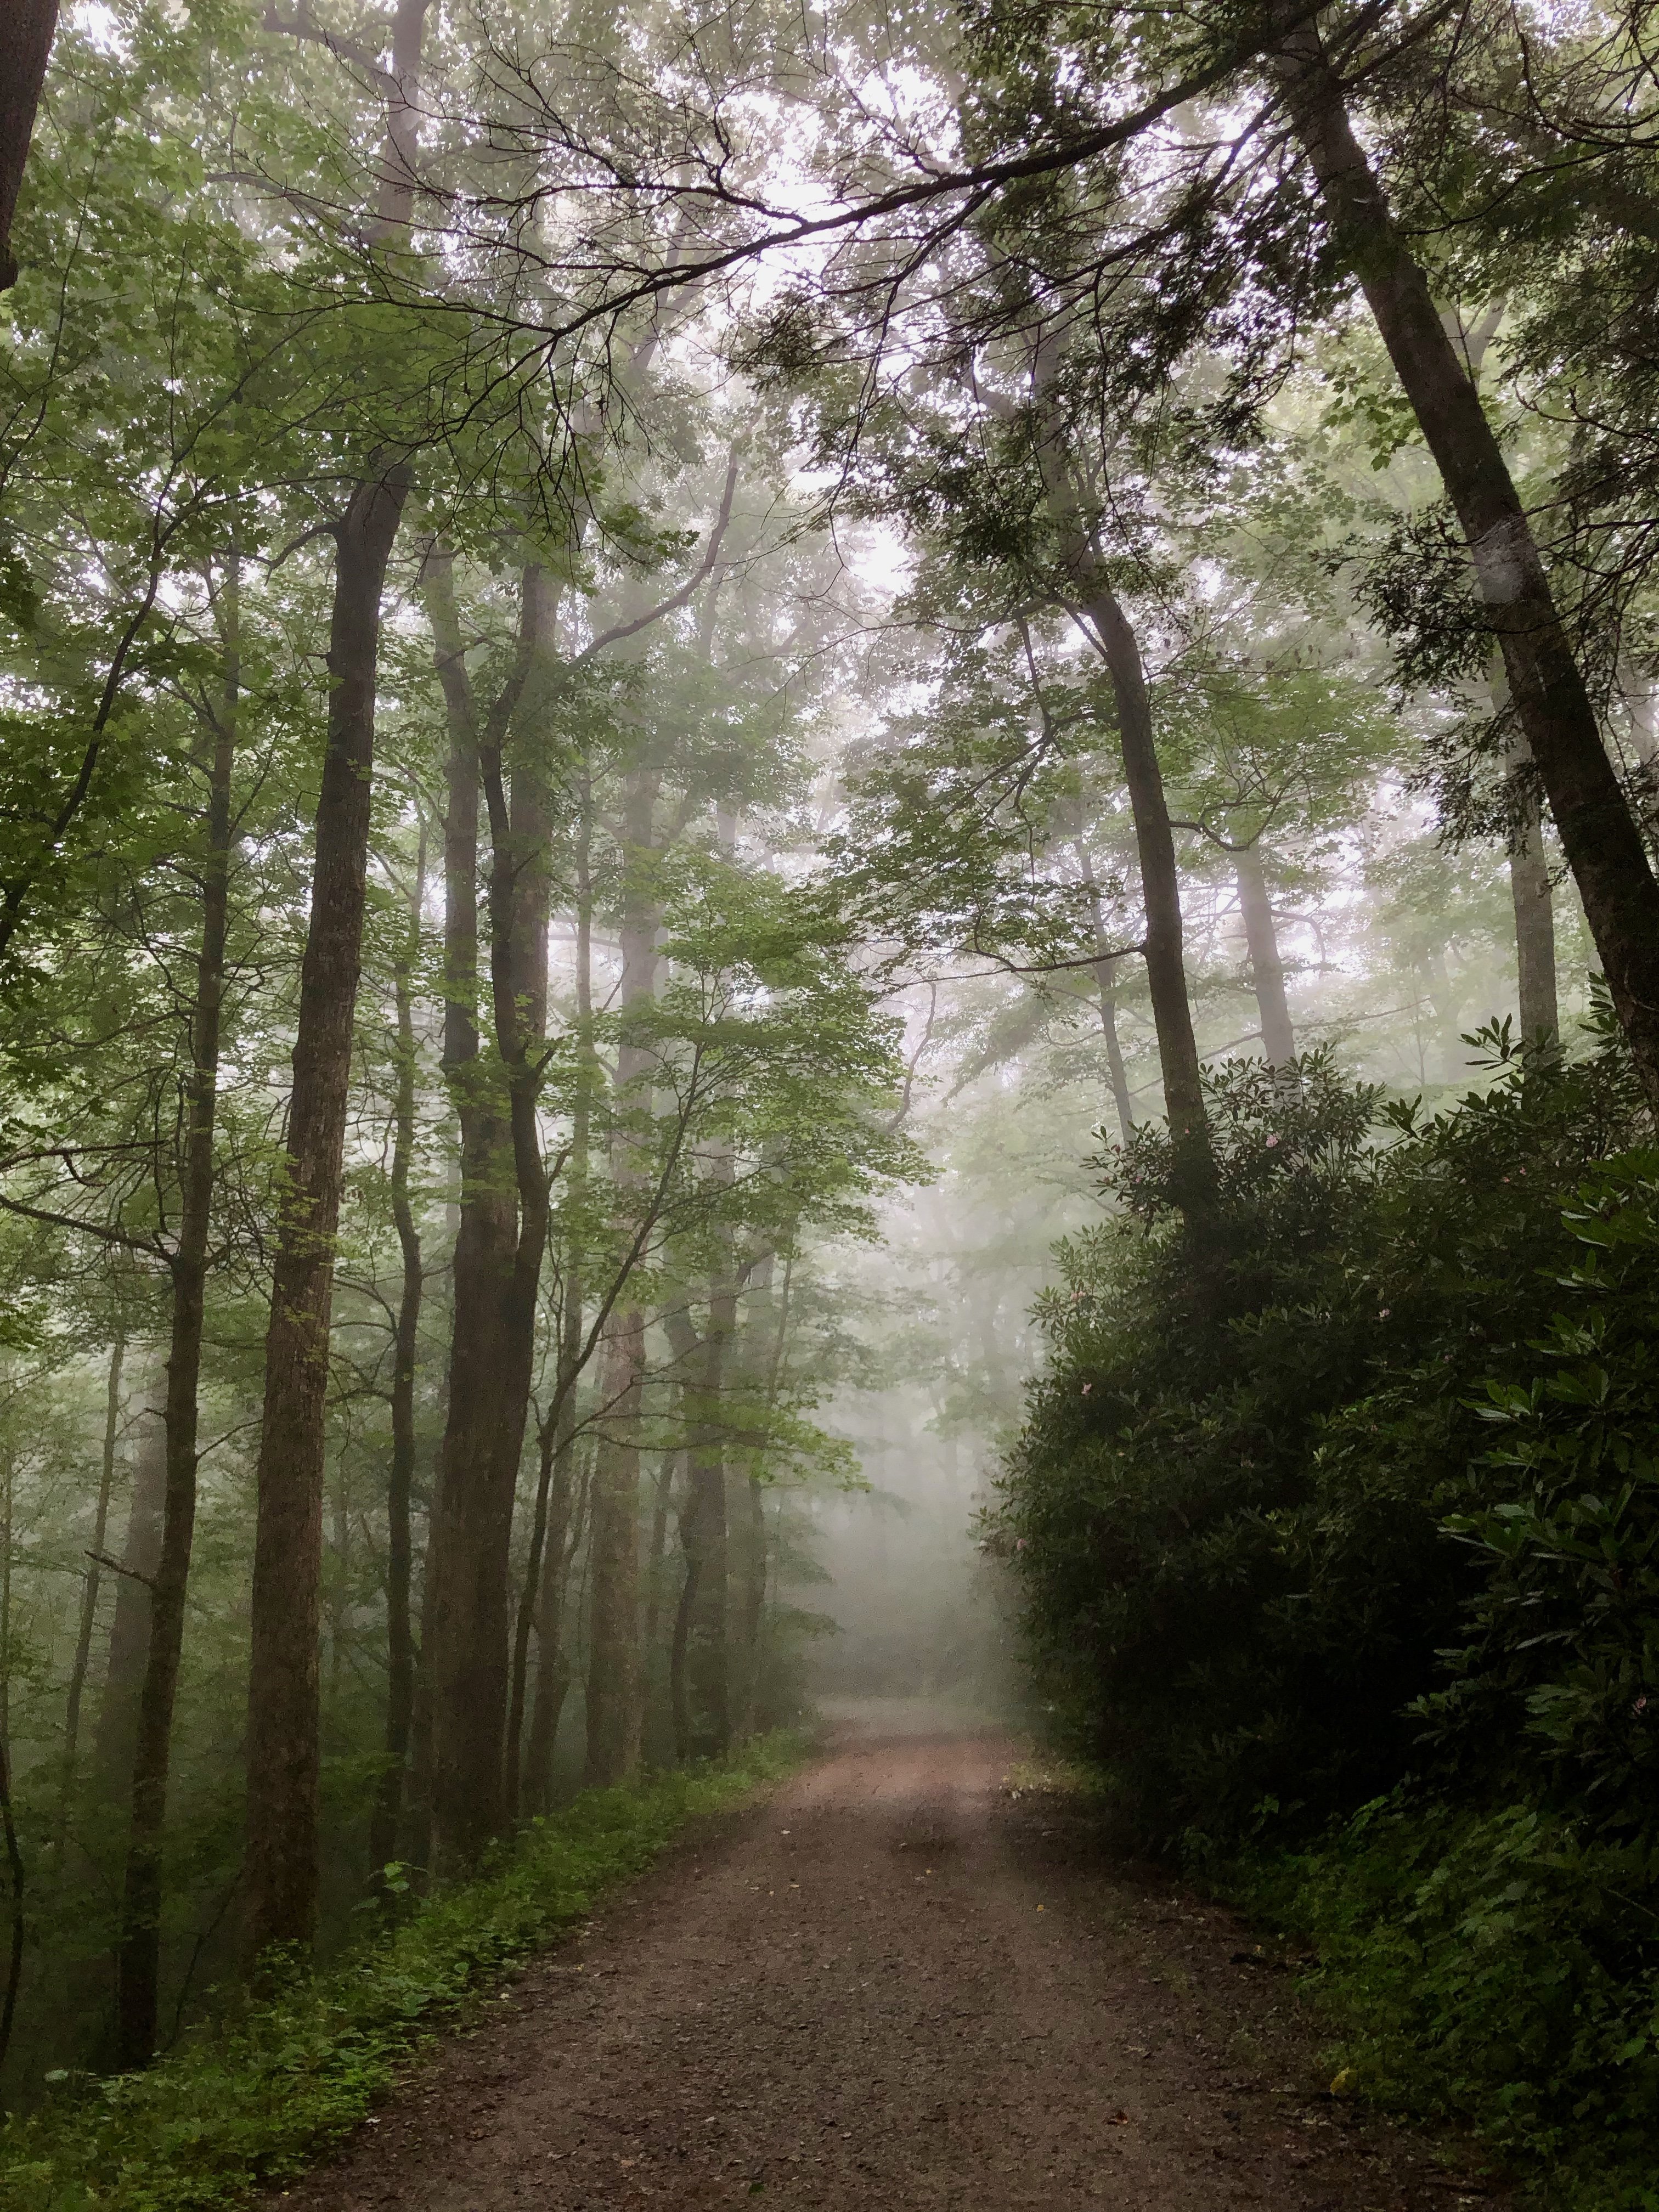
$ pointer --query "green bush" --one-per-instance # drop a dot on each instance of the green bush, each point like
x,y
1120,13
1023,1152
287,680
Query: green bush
x,y
1496,1966
263,2095
1226,1505
1337,1518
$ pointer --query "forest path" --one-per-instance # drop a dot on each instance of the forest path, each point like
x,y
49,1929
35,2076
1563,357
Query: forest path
x,y
896,1983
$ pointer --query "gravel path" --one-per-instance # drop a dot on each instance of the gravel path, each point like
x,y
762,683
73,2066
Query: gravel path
x,y
895,1983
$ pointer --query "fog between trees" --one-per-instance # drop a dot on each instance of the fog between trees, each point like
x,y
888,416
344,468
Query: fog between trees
x,y
671,685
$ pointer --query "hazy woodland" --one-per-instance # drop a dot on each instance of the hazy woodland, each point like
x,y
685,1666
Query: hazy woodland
x,y
828,871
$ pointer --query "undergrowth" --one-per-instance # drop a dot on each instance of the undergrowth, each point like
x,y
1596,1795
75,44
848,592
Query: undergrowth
x,y
1492,1968
256,2098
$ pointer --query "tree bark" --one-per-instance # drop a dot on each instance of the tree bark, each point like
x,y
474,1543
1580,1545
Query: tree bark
x,y
1535,927
1166,971
117,1738
613,1679
541,1604
282,1751
499,1259
1106,993
138,1965
400,1485
1603,843
1267,968
82,1660
27,31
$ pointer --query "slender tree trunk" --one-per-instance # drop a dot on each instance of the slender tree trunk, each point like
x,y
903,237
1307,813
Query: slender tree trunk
x,y
400,1486
1535,927
1166,970
82,1660
707,1537
283,1749
1267,968
117,1738
27,30
138,1958
554,1672
751,1599
1603,843
1106,989
613,1667
542,1600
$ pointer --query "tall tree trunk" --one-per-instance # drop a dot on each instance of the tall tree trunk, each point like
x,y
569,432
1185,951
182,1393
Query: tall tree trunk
x,y
752,1595
532,1779
137,1966
499,1257
116,1737
400,1486
613,1665
1166,970
1106,966
707,1538
1603,843
1267,968
1534,926
27,30
82,1660
541,1603
283,1749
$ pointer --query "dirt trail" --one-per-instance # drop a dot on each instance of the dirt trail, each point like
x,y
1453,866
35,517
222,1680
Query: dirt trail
x,y
893,1985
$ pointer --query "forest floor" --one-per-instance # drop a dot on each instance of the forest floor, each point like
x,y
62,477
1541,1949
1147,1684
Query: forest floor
x,y
911,1978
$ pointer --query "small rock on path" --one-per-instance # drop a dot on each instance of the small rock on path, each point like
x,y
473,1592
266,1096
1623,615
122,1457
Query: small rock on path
x,y
895,1984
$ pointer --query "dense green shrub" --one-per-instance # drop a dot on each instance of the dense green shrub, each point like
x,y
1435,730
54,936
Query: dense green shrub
x,y
1497,1964
1337,1518
1226,1506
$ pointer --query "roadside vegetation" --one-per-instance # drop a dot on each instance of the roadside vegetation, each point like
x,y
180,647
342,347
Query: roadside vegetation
x,y
266,2090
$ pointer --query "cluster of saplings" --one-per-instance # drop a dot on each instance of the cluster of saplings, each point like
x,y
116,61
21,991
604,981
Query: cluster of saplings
x,y
1338,1503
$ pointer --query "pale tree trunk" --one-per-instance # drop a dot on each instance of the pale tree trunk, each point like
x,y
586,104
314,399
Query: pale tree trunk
x,y
90,1588
1267,968
1106,967
750,1610
138,1957
541,1605
117,1735
613,1678
400,1485
1534,928
1598,835
282,1748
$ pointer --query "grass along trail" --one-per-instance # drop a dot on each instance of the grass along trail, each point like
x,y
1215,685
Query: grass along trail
x,y
903,1980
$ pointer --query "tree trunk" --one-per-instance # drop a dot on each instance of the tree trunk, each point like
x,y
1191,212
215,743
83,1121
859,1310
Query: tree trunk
x,y
1166,970
1267,968
400,1486
498,1259
82,1660
282,1750
542,1602
1603,843
1535,927
27,30
117,1739
613,1675
1105,987
138,1958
